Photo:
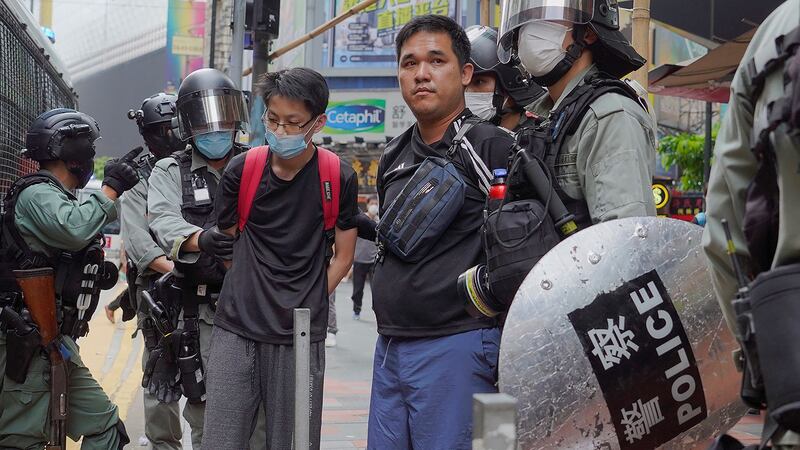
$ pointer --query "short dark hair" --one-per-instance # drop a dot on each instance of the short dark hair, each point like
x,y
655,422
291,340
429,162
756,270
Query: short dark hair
x,y
436,24
298,83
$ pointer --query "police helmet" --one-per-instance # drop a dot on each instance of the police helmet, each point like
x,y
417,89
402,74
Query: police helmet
x,y
156,109
154,119
61,134
209,101
512,81
613,52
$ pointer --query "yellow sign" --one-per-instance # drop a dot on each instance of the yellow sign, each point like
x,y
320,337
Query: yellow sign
x,y
660,195
187,45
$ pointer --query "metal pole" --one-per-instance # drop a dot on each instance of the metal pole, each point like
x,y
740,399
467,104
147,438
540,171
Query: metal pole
x,y
707,148
641,37
237,49
261,44
485,12
302,377
46,13
213,38
494,422
316,31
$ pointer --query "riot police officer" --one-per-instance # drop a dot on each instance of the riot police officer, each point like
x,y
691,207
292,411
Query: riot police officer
x,y
754,186
498,92
147,261
602,146
210,111
44,226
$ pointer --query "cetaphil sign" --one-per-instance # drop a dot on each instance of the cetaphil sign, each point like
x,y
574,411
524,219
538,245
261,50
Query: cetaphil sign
x,y
365,115
372,115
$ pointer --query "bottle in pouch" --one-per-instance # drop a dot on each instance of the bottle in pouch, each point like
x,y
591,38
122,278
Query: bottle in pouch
x,y
497,191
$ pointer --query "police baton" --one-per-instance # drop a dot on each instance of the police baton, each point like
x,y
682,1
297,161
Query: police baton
x,y
543,185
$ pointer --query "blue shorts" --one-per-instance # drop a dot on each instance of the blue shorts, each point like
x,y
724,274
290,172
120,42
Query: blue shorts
x,y
422,389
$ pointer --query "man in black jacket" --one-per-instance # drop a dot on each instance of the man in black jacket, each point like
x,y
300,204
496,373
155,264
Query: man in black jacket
x,y
431,356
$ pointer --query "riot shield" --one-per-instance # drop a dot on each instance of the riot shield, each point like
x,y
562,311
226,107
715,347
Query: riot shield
x,y
615,340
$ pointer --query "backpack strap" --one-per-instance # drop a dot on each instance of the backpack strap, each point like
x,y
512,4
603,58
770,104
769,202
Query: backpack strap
x,y
330,185
329,180
254,162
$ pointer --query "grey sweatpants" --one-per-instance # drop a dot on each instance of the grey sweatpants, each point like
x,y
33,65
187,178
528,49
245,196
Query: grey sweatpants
x,y
241,375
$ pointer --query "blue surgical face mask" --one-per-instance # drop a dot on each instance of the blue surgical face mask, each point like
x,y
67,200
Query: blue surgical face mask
x,y
288,146
214,145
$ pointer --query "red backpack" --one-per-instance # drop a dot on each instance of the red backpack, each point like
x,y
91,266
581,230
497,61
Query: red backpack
x,y
256,160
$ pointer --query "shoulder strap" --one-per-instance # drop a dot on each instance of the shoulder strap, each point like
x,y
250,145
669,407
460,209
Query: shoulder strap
x,y
565,120
254,162
467,125
330,185
145,165
184,160
329,181
478,166
20,250
768,58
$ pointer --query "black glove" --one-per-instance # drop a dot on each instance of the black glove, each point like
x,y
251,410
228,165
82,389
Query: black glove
x,y
161,377
120,174
216,243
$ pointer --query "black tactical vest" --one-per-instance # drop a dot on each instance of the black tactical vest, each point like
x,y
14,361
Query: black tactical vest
x,y
15,254
69,267
547,141
199,211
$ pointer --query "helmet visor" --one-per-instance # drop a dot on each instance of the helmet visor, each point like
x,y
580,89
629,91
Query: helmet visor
x,y
212,110
516,13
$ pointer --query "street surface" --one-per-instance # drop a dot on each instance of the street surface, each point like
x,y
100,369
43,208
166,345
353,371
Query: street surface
x,y
115,360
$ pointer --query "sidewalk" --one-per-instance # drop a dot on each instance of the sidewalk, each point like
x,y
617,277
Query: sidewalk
x,y
348,374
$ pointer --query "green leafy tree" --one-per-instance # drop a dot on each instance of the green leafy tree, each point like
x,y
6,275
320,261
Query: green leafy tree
x,y
686,151
99,166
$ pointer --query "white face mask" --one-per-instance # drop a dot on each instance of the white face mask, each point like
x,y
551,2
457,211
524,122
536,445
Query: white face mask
x,y
541,46
480,103
373,209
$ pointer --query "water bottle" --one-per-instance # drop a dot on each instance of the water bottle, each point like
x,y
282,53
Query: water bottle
x,y
497,191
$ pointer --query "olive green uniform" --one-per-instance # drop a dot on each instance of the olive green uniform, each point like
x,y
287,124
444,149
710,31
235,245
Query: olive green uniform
x,y
164,199
162,423
47,219
610,159
735,166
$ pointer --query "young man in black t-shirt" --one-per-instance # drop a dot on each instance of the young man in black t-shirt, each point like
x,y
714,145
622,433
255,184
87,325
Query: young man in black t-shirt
x,y
280,262
431,356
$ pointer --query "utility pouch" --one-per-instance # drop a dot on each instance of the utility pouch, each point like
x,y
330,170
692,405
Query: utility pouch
x,y
425,208
515,239
190,363
429,202
20,350
775,299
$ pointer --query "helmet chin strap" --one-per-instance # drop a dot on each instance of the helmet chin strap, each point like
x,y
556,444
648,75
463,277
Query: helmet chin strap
x,y
498,99
573,53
